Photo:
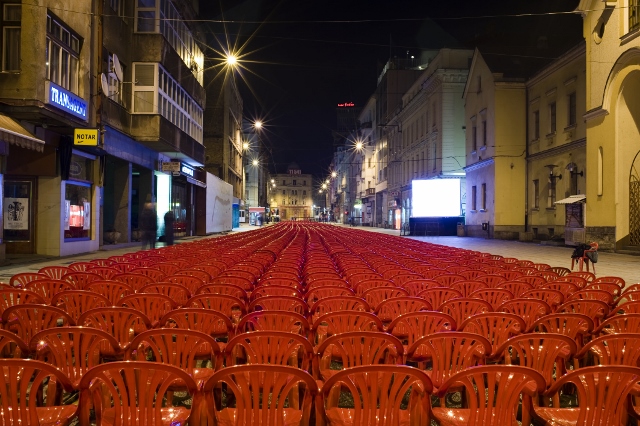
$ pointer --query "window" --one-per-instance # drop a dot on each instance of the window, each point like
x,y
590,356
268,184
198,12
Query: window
x,y
552,117
11,30
536,126
61,55
634,14
304,183
474,206
284,182
115,86
484,132
284,192
117,6
294,182
479,84
551,198
571,119
156,92
474,137
304,193
161,16
484,196
536,194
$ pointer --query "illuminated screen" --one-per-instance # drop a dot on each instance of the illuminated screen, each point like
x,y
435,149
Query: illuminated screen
x,y
436,198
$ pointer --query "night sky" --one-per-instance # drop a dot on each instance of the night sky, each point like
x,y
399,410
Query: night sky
x,y
304,57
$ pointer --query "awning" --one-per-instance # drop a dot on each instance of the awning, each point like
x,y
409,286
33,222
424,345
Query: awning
x,y
572,199
11,131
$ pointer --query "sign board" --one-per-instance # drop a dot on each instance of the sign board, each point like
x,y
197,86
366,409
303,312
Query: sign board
x,y
85,137
186,170
66,101
171,166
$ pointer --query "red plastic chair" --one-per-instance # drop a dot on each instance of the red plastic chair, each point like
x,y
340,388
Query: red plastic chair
x,y
583,261
211,270
342,322
494,296
166,267
152,272
134,280
12,346
228,289
21,279
461,309
375,296
612,349
80,280
592,294
126,390
203,276
517,288
494,281
231,306
23,384
215,324
626,323
594,309
390,309
233,275
362,286
154,306
402,279
293,283
316,294
356,348
120,322
415,287
577,278
72,350
10,296
574,326
566,288
438,295
530,310
76,302
338,303
533,280
244,283
602,393
288,321
446,280
105,272
632,307
609,280
279,303
448,353
191,283
611,288
467,287
176,292
271,385
55,272
497,327
492,395
378,393
125,267
48,288
81,266
270,347
274,290
27,319
553,298
414,325
111,290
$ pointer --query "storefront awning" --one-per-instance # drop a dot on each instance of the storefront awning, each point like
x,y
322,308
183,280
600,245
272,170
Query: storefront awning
x,y
572,199
11,131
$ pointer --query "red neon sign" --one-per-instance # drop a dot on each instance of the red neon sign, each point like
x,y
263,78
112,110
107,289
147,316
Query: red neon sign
x,y
346,105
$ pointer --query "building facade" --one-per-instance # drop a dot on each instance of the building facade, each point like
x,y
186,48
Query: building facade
x,y
291,194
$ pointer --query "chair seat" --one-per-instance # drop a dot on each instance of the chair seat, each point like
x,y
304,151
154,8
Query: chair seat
x,y
456,417
227,417
170,416
53,416
344,416
558,416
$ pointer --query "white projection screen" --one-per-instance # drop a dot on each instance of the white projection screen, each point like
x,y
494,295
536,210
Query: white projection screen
x,y
436,198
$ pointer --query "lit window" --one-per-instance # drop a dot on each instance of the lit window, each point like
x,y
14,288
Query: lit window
x,y
61,55
11,31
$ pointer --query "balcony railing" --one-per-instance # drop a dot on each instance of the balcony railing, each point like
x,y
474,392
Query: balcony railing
x,y
371,191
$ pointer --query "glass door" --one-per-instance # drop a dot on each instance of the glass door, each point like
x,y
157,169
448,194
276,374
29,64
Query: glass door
x,y
19,221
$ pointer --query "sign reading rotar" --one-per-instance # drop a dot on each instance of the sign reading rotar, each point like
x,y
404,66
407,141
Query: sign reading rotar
x,y
67,101
85,137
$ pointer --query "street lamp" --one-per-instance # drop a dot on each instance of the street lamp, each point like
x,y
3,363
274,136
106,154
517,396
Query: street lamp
x,y
255,162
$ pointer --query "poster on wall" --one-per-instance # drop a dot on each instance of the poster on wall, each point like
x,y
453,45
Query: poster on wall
x,y
67,210
87,216
16,213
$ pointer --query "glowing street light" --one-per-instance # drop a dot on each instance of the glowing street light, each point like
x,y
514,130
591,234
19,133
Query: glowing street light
x,y
358,145
245,145
258,124
255,162
324,186
231,60
334,174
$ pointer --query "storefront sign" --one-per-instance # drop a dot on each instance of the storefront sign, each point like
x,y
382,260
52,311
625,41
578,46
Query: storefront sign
x,y
16,215
171,166
67,101
392,204
186,170
86,137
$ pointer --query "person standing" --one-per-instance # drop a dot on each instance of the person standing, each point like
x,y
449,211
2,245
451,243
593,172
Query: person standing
x,y
169,219
149,224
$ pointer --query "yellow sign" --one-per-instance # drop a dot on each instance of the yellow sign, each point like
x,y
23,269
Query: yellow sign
x,y
85,137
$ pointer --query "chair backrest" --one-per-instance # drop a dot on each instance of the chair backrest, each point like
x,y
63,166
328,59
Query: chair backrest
x,y
287,321
175,346
76,302
360,348
530,310
133,279
270,347
613,349
378,393
414,325
21,279
493,392
10,296
436,296
495,296
339,303
112,290
176,292
279,303
390,309
22,389
214,323
540,351
414,287
28,319
120,322
81,279
12,346
626,323
497,327
602,392
48,288
73,350
271,386
375,296
572,325
463,308
190,282
153,305
274,290
56,272
136,391
449,352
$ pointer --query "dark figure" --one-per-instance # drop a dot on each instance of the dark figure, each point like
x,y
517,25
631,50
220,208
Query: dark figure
x,y
169,219
149,225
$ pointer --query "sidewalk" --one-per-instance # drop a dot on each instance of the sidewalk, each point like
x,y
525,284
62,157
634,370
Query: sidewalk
x,y
619,265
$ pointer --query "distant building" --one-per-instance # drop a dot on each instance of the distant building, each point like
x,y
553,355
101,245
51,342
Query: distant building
x,y
291,194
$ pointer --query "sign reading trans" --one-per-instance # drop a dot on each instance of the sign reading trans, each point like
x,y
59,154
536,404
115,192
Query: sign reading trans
x,y
66,101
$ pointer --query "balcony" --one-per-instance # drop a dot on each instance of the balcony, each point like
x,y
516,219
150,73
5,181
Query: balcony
x,y
370,191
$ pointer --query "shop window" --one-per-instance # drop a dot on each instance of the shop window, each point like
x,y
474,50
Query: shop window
x,y
62,54
11,31
17,211
77,210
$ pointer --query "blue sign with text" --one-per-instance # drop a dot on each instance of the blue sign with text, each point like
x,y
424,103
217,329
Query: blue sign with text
x,y
67,101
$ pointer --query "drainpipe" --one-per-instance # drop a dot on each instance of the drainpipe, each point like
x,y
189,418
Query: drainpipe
x,y
526,162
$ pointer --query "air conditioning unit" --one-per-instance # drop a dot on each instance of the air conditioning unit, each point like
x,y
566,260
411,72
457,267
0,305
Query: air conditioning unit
x,y
574,236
